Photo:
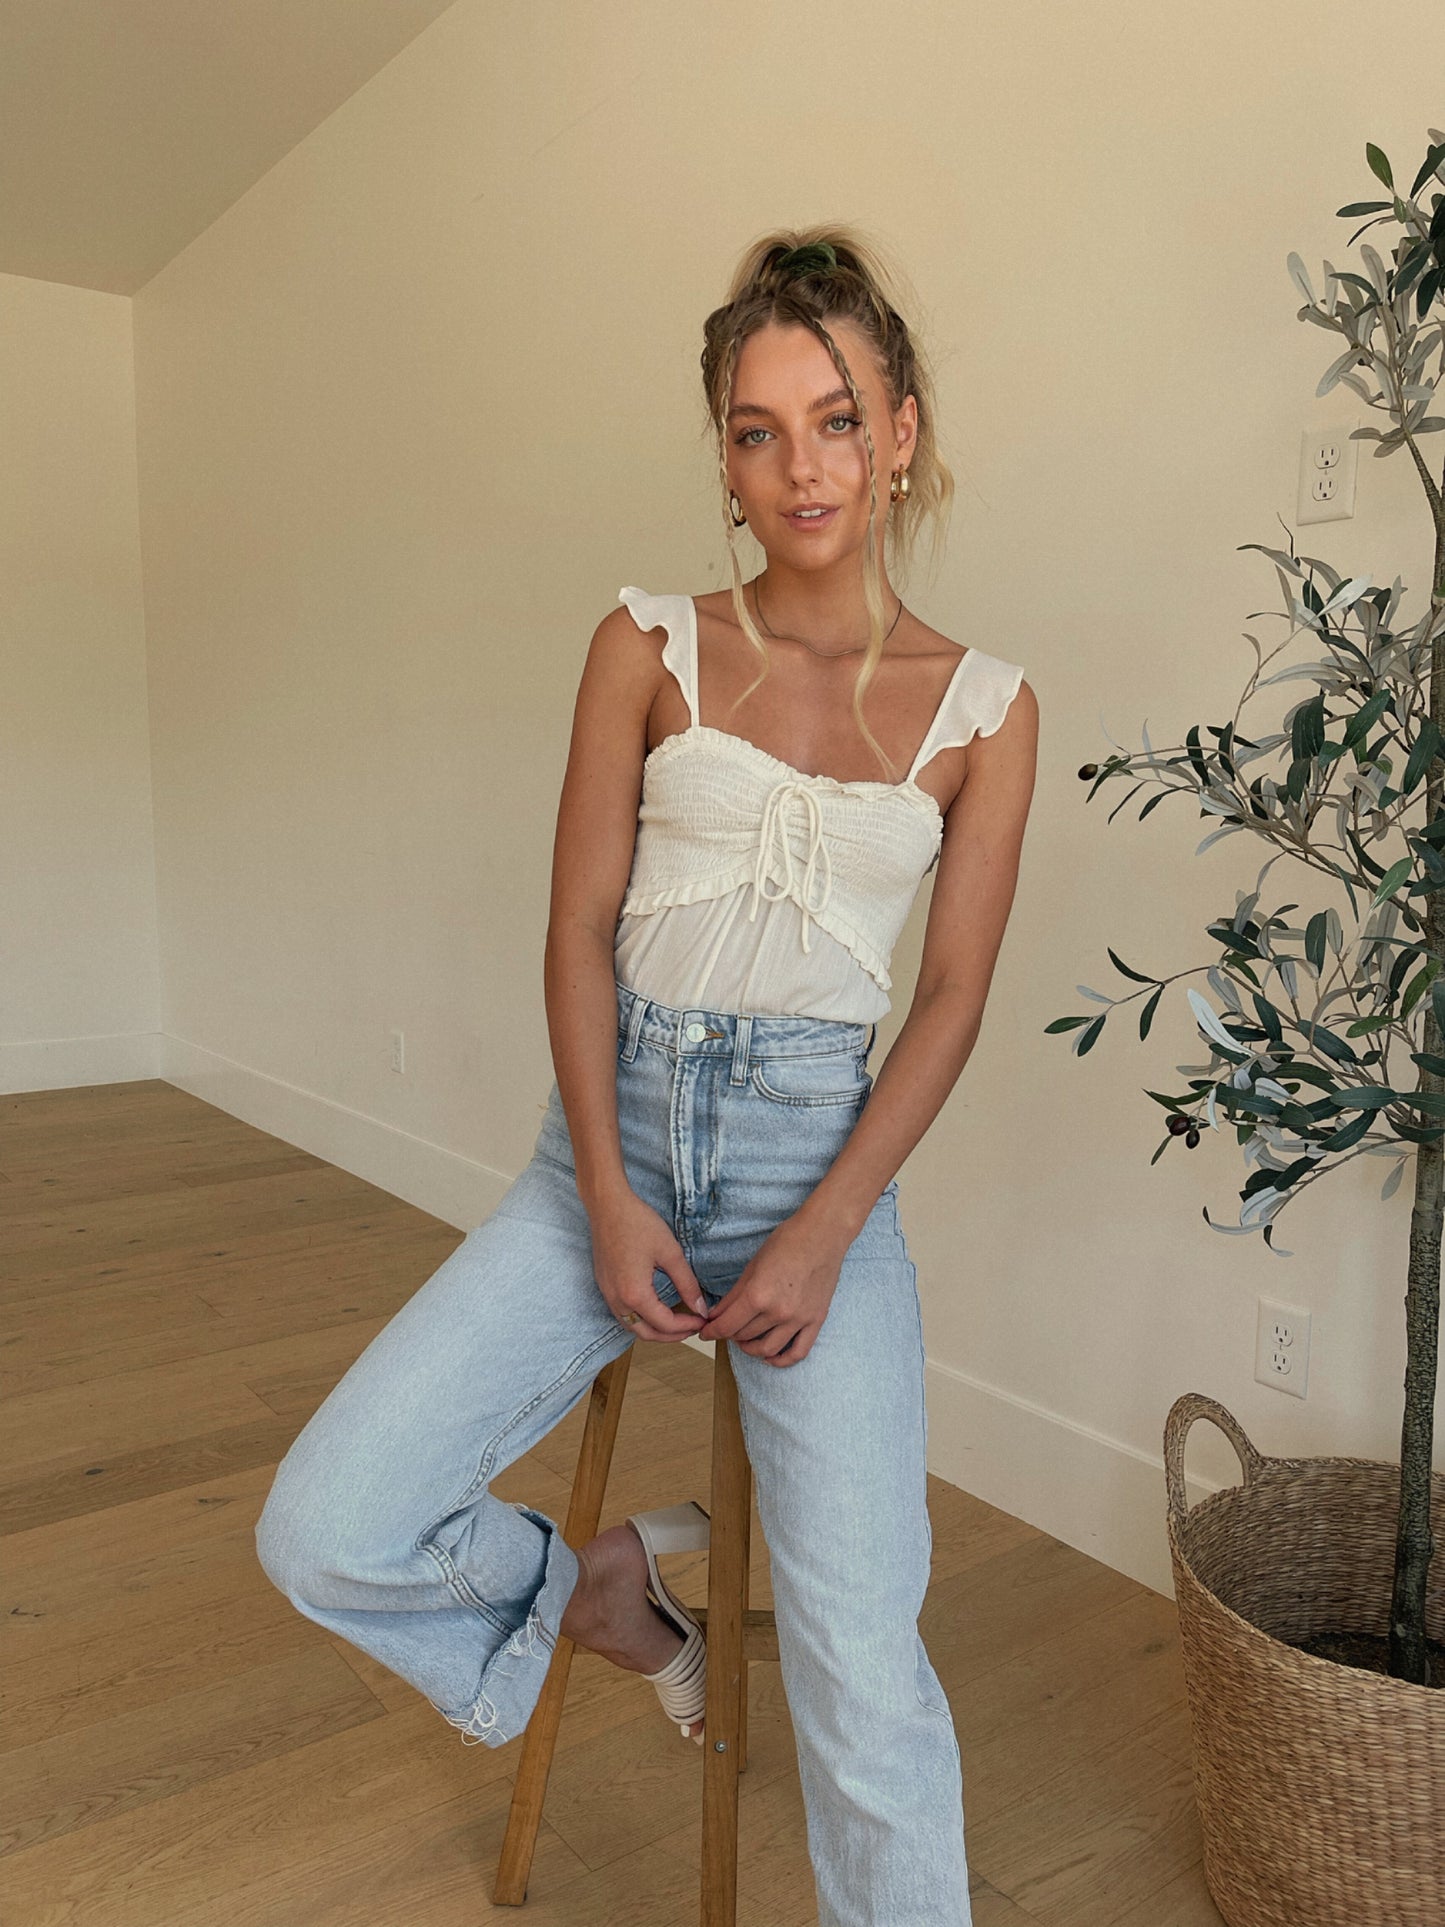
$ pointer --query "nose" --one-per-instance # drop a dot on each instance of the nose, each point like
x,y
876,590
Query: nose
x,y
804,466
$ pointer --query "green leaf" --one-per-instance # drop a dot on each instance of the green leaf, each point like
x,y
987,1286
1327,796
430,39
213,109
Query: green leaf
x,y
1419,984
1088,1038
1379,166
1365,717
1238,943
1324,1039
1307,729
1391,880
1362,855
1269,1018
1308,1073
1257,1102
1124,968
1411,266
1367,1026
1431,1102
1315,940
1066,1023
1146,1015
1172,1104
1427,167
1364,1097
1426,748
1350,1133
1356,208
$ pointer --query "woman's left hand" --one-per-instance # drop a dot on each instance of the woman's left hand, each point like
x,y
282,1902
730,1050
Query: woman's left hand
x,y
777,1307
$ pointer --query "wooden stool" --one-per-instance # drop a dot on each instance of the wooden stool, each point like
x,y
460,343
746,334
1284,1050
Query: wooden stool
x,y
735,1634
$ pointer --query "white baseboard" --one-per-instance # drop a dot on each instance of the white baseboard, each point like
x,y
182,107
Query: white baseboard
x,y
456,1189
1093,1492
62,1063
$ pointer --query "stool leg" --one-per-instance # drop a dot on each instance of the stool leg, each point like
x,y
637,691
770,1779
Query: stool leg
x,y
539,1741
746,1524
726,1667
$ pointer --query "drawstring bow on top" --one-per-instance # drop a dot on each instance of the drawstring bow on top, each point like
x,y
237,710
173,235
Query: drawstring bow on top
x,y
774,829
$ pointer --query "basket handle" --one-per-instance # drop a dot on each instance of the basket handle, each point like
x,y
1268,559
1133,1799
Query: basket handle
x,y
1182,1414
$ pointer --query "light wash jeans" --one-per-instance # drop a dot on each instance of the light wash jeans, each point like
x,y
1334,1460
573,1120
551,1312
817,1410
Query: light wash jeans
x,y
380,1527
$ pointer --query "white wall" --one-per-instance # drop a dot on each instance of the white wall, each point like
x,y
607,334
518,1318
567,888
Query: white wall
x,y
79,994
414,409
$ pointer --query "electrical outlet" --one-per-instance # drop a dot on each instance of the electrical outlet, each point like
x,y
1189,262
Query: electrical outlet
x,y
398,1052
1282,1347
1327,463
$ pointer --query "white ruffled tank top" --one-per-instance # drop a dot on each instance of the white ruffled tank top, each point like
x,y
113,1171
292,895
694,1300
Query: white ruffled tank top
x,y
755,888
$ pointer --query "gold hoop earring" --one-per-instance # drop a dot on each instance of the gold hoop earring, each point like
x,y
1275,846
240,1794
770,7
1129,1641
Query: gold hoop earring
x,y
735,510
898,487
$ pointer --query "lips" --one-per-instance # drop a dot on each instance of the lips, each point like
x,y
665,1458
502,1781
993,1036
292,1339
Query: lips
x,y
802,520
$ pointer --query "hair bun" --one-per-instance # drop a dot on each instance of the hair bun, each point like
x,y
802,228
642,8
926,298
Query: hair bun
x,y
814,257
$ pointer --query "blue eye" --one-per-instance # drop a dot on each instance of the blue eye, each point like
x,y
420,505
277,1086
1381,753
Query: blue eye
x,y
848,421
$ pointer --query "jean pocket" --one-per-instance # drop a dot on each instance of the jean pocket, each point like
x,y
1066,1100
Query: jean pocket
x,y
830,1077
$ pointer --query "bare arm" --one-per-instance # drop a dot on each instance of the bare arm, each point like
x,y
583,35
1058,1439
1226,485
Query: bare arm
x,y
973,893
591,861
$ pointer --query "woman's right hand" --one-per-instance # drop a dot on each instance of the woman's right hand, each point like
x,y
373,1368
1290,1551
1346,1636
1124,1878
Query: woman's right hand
x,y
630,1241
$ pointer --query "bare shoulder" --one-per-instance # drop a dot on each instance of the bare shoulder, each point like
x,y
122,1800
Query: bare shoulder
x,y
1020,719
620,678
1020,722
619,624
623,649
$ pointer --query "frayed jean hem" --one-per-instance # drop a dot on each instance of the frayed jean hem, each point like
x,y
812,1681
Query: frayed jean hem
x,y
513,1677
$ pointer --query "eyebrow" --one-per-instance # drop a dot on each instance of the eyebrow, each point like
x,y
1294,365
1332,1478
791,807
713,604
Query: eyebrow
x,y
823,401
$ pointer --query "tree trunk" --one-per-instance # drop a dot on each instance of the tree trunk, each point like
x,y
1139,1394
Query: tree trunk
x,y
1415,1544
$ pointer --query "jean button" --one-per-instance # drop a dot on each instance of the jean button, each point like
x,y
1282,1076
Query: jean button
x,y
695,1033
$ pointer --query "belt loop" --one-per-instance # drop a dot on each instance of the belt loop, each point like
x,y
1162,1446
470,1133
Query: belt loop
x,y
872,1033
742,1044
634,1027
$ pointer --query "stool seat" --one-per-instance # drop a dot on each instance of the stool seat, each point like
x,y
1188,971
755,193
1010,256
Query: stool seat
x,y
736,1633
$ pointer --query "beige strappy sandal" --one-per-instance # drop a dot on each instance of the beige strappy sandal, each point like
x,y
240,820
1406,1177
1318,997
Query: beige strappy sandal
x,y
681,1685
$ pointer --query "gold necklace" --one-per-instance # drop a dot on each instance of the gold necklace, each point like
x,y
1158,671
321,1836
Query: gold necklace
x,y
758,605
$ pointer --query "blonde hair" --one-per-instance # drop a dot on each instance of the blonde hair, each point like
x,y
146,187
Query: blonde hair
x,y
842,276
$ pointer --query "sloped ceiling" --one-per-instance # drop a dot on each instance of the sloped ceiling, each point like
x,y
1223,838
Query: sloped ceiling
x,y
128,126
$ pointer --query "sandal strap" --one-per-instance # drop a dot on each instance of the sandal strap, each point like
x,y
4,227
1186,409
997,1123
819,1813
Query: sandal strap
x,y
681,1685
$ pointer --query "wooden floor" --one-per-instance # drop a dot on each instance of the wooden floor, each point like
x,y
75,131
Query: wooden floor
x,y
180,1748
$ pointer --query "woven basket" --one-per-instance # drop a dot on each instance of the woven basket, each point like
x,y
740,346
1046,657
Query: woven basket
x,y
1321,1787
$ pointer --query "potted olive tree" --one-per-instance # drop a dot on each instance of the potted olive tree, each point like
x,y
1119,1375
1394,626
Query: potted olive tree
x,y
1312,1618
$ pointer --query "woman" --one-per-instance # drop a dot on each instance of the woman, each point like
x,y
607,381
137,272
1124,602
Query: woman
x,y
739,841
